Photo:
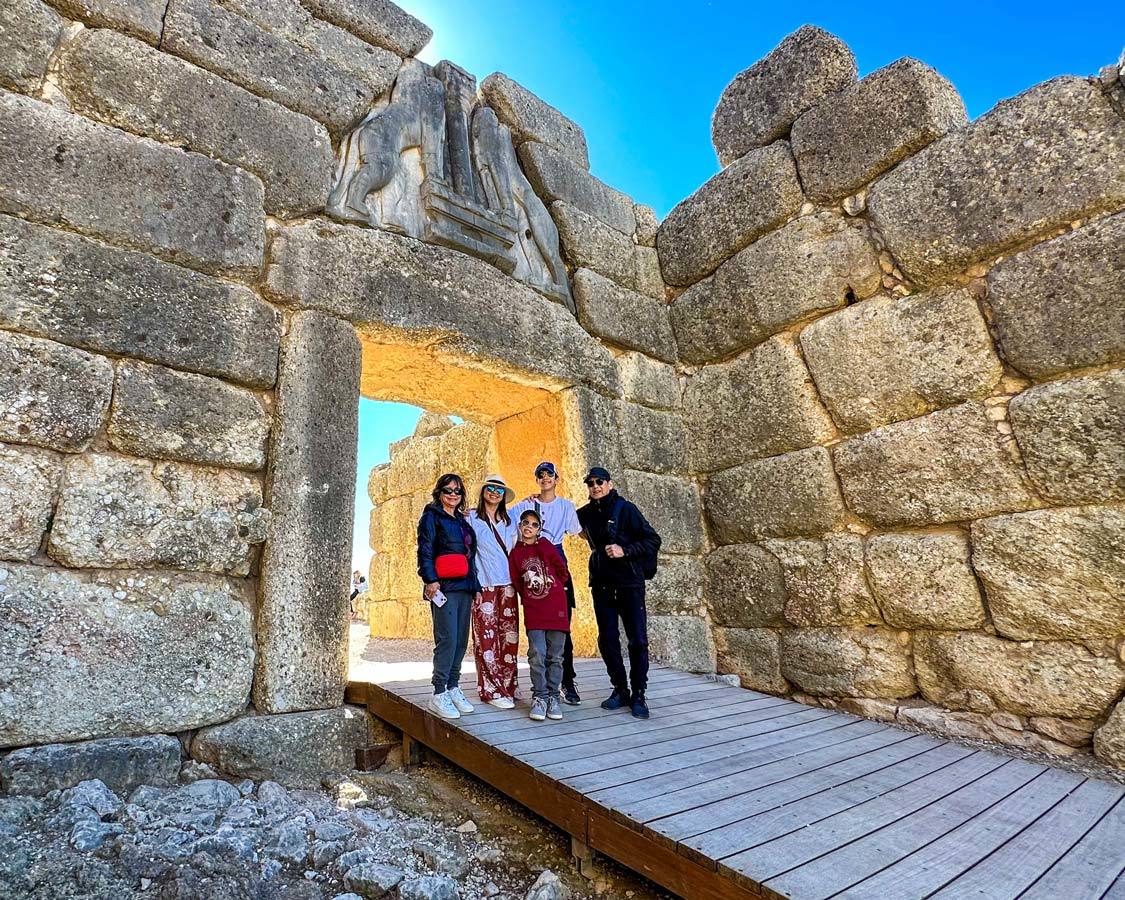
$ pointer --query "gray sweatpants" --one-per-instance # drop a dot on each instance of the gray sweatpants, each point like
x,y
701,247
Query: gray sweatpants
x,y
545,657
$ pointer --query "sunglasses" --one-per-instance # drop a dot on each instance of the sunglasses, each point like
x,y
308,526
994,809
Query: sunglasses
x,y
544,474
493,489
530,524
590,482
452,492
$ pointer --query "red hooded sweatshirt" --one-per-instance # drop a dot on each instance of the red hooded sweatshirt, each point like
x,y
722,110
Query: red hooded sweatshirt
x,y
538,575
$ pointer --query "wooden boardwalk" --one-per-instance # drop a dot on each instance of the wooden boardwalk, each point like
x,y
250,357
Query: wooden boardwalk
x,y
728,793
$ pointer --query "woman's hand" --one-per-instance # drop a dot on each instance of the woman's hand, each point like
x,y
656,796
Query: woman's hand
x,y
430,589
478,597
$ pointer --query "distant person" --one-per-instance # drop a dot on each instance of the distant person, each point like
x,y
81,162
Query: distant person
x,y
559,518
496,616
623,545
538,574
359,585
447,551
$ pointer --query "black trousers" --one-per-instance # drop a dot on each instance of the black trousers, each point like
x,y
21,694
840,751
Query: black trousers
x,y
568,674
628,604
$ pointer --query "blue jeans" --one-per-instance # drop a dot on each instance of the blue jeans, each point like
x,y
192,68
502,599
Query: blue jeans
x,y
545,659
451,638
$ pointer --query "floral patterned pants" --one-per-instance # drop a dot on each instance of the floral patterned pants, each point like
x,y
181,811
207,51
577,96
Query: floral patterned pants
x,y
496,635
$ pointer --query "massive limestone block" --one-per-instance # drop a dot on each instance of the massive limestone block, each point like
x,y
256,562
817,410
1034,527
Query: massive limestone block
x,y
647,381
29,31
761,404
889,359
93,654
647,225
119,512
851,136
173,415
295,749
848,662
754,655
971,670
591,439
140,18
530,119
745,587
948,466
58,285
1061,304
416,464
683,642
236,49
813,264
677,588
1072,436
924,581
382,281
378,21
121,764
588,243
556,177
825,582
303,597
764,100
671,505
51,395
29,487
61,168
1054,573
791,495
125,83
740,204
651,440
1053,154
622,316
1109,740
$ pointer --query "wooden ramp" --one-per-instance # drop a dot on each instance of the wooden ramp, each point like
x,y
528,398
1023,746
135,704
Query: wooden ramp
x,y
728,793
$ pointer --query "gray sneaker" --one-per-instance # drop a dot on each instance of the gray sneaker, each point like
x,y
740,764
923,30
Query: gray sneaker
x,y
538,709
554,708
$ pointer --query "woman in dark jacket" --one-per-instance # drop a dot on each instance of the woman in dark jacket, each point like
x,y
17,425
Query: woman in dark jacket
x,y
447,554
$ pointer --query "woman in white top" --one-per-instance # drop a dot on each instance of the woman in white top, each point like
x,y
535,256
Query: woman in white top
x,y
495,614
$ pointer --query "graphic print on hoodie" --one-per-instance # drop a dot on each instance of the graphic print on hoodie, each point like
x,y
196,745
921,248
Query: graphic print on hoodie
x,y
539,574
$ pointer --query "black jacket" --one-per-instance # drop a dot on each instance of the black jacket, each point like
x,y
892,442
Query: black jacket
x,y
440,533
630,530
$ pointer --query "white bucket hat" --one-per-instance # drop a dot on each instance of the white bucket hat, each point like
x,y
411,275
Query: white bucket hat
x,y
509,494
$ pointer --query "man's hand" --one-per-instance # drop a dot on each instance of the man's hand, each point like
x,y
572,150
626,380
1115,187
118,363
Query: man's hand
x,y
614,551
477,597
430,589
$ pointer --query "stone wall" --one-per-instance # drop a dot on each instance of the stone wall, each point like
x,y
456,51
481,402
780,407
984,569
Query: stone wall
x,y
902,336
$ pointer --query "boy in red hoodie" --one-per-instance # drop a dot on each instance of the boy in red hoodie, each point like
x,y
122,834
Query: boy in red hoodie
x,y
539,575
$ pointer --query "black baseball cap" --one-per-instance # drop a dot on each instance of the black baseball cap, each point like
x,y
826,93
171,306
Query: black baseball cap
x,y
548,467
598,472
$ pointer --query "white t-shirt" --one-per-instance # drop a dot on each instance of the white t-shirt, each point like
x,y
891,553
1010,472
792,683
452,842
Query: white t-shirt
x,y
492,562
559,517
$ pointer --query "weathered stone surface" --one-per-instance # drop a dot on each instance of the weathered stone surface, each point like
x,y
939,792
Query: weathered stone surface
x,y
121,764
556,177
530,119
825,582
378,21
677,588
976,726
647,225
683,642
56,284
671,505
741,203
924,581
651,440
51,395
187,640
588,243
760,104
649,280
172,415
1072,437
1075,732
970,670
889,359
870,708
29,32
791,495
1054,573
945,467
1053,154
745,587
645,380
813,264
1109,740
238,50
293,749
125,83
592,438
119,512
848,662
29,487
622,316
754,655
112,185
1061,304
760,404
140,18
303,599
381,281
851,136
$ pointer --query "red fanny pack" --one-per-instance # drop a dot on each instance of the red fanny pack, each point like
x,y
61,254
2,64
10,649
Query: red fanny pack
x,y
451,565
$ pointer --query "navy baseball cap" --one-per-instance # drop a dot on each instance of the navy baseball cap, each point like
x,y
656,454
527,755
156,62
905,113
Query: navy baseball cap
x,y
598,472
548,467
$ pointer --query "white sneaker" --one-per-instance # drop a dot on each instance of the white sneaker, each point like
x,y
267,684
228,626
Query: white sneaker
x,y
538,709
502,702
442,704
554,708
460,700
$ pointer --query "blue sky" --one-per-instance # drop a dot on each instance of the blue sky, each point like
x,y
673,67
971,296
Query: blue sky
x,y
642,79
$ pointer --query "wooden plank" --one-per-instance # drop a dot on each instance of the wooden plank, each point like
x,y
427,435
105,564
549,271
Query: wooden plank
x,y
1117,889
1091,866
356,692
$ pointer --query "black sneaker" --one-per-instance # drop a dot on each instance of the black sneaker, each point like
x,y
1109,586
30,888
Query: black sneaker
x,y
616,700
570,695
640,708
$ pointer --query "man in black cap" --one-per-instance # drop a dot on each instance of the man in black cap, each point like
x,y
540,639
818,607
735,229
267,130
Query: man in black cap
x,y
623,547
